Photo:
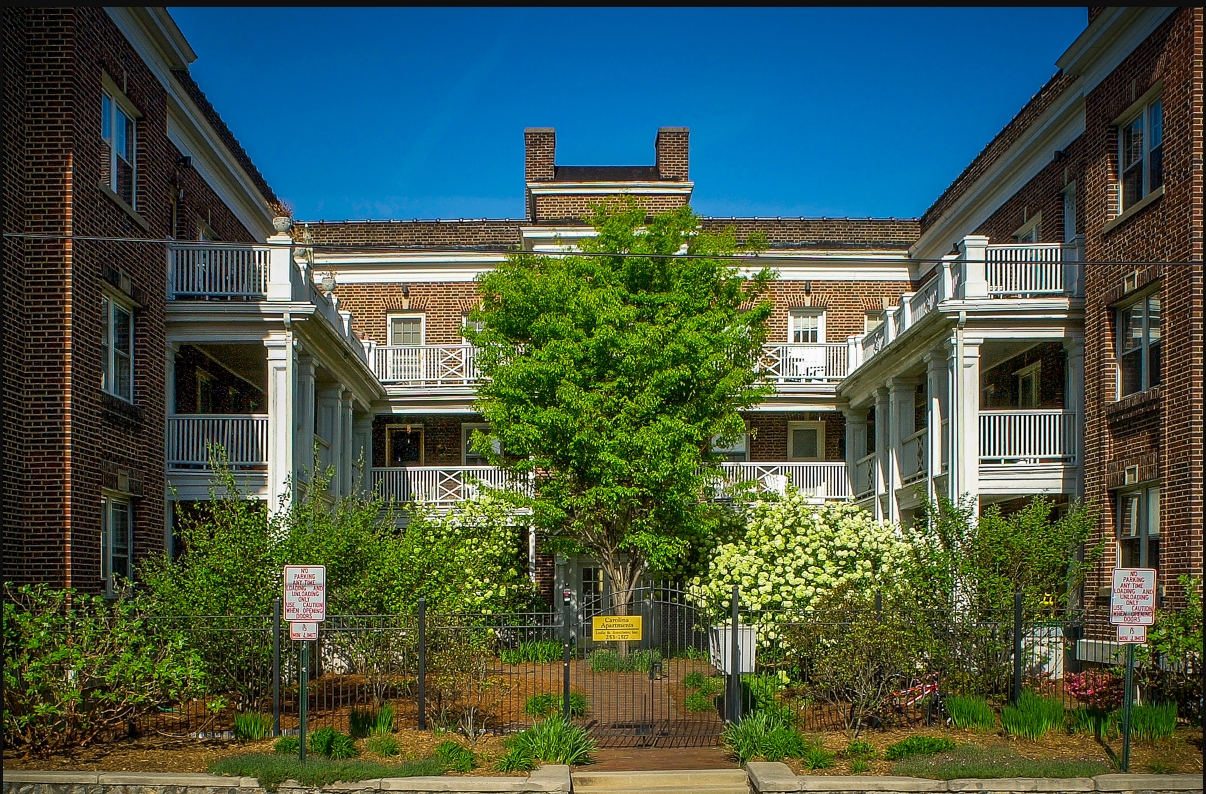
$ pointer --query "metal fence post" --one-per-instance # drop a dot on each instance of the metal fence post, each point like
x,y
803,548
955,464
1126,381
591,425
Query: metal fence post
x,y
735,659
1017,647
565,655
422,664
276,667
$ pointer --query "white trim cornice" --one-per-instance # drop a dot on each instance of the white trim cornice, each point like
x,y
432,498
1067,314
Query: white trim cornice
x,y
607,188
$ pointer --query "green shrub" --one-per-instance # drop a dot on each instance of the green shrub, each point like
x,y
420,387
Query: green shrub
x,y
272,770
343,746
1093,721
700,701
382,744
533,652
999,761
287,745
456,756
817,758
515,760
81,674
1033,717
546,704
385,719
1154,721
970,713
694,680
331,743
765,734
362,721
859,765
917,745
555,741
606,660
252,727
860,749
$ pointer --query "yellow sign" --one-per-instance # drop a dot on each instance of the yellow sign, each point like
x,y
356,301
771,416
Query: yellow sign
x,y
615,627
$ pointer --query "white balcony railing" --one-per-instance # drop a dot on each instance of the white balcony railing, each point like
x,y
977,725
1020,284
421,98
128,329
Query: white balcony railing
x,y
196,271
426,365
820,479
440,485
1025,269
785,364
1028,436
863,480
244,437
914,457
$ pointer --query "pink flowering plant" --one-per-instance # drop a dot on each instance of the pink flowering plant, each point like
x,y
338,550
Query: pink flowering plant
x,y
1097,689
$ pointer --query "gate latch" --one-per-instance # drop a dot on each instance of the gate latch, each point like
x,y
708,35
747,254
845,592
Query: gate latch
x,y
655,671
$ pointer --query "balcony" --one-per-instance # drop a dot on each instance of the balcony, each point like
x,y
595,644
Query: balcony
x,y
200,272
1036,436
441,486
794,365
244,437
823,480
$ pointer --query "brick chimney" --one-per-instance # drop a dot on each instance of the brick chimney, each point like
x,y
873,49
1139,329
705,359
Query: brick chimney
x,y
672,153
540,144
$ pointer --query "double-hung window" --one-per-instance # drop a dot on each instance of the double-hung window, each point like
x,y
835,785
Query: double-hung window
x,y
406,329
737,452
117,529
807,326
1139,528
1139,345
120,162
806,441
1141,153
117,349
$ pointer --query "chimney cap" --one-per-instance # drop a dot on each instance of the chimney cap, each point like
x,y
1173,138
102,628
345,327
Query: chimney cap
x,y
673,129
539,129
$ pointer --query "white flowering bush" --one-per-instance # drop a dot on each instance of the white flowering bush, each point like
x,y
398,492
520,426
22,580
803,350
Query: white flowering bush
x,y
793,554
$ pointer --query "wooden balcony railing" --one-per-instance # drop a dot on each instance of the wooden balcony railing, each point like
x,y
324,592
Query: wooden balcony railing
x,y
244,437
1028,436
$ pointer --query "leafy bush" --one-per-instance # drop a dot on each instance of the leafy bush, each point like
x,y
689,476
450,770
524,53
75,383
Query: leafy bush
x,y
546,704
694,679
817,758
760,693
382,744
272,770
252,726
1154,721
607,660
860,749
369,721
78,668
917,745
999,761
287,745
1170,663
969,712
859,766
766,734
700,701
385,719
515,760
331,743
456,756
533,652
1033,717
1097,689
554,741
343,746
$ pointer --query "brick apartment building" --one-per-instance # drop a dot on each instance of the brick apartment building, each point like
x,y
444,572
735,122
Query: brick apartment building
x,y
1037,330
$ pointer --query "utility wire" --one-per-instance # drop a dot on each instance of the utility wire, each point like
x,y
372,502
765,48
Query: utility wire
x,y
392,248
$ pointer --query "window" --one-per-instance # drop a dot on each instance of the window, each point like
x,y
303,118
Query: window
x,y
468,453
205,393
1141,153
737,452
1139,345
404,446
406,329
1139,528
806,441
807,326
873,319
1028,385
1030,231
118,136
116,533
117,349
476,325
592,581
1070,213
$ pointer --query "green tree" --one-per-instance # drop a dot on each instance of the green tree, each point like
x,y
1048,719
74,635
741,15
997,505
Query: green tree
x,y
608,374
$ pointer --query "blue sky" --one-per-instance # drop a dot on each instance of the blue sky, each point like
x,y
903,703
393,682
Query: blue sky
x,y
419,113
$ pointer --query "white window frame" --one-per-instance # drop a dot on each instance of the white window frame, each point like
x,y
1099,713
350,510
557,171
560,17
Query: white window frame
x,y
389,326
819,427
739,447
818,313
877,315
411,428
1142,114
1029,231
109,353
117,101
1147,379
467,429
1069,194
1144,525
465,323
111,504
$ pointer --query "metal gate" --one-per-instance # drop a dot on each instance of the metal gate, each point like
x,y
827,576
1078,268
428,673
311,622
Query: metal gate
x,y
658,691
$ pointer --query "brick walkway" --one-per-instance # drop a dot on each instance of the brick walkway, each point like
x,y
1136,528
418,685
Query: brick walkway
x,y
643,759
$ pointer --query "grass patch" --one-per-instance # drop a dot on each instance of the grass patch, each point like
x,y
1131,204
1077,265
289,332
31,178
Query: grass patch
x,y
532,652
970,713
252,726
456,756
607,660
860,749
332,744
765,734
382,744
1153,722
272,770
553,741
917,745
1033,717
547,704
287,745
998,761
515,760
364,722
700,701
1094,722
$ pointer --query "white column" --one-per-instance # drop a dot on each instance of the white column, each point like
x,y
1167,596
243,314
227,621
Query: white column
x,y
901,399
304,428
281,274
935,389
973,255
882,470
362,448
282,362
1074,400
345,441
330,427
856,444
965,419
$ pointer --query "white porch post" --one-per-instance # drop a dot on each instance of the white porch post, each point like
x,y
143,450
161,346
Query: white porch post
x,y
345,442
856,443
304,428
281,275
901,395
973,256
330,427
1074,400
282,372
964,466
935,388
362,449
883,482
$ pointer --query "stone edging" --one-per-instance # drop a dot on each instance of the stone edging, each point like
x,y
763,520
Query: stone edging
x,y
777,778
551,779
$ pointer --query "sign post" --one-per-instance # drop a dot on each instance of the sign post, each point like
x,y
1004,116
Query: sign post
x,y
305,608
1132,610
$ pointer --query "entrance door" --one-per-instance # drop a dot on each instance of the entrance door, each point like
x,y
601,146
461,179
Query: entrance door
x,y
404,447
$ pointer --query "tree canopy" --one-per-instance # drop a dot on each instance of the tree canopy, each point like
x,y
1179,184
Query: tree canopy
x,y
609,373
